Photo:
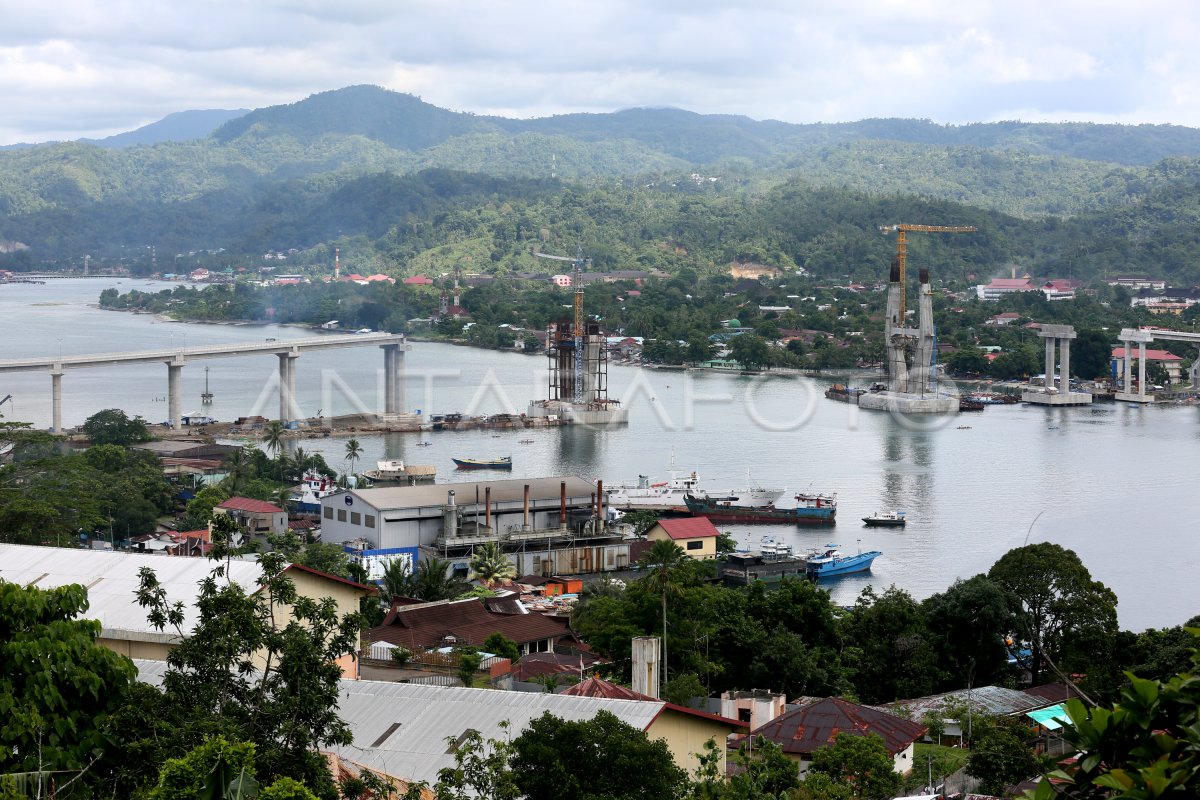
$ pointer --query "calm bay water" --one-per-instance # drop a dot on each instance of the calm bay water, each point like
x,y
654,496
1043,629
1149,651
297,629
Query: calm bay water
x,y
1111,482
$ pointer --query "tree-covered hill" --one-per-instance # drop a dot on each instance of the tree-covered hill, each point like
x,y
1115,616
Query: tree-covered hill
x,y
408,186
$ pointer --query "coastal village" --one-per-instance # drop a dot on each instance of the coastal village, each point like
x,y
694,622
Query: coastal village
x,y
529,561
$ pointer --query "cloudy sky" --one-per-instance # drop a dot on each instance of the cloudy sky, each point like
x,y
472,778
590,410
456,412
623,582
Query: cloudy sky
x,y
72,68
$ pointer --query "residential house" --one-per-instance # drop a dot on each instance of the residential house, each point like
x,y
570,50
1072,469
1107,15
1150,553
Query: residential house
x,y
1006,318
561,281
755,707
112,580
428,626
402,728
696,535
817,724
418,280
685,730
1172,363
256,516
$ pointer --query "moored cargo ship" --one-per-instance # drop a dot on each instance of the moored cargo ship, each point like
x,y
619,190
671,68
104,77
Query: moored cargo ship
x,y
810,509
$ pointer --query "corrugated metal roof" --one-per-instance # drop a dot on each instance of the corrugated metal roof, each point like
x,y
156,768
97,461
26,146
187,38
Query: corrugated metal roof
x,y
510,490
112,580
982,700
429,715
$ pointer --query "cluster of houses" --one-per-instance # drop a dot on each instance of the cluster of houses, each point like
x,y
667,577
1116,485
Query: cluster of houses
x,y
402,711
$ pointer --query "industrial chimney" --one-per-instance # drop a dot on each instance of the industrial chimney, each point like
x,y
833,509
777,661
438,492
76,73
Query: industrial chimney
x,y
450,517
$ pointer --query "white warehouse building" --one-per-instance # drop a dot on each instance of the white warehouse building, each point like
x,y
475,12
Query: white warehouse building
x,y
415,516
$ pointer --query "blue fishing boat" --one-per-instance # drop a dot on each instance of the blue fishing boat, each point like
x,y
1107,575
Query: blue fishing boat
x,y
829,561
474,463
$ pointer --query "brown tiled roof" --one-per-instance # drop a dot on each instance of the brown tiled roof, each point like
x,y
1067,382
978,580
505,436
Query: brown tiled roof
x,y
815,725
467,621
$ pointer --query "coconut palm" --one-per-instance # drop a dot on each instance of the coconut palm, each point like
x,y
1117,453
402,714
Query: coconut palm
x,y
663,560
354,452
272,437
490,565
238,467
435,580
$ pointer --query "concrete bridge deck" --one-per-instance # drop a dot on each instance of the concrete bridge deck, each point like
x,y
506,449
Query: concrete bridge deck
x,y
287,350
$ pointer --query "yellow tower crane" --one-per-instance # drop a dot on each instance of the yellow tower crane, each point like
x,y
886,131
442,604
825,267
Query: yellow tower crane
x,y
901,231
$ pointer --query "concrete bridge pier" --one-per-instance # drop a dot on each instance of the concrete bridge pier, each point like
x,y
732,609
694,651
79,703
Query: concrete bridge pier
x,y
1128,339
56,373
393,375
1056,392
175,391
287,387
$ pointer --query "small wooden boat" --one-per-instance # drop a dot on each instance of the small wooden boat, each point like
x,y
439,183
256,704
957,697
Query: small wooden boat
x,y
492,463
886,519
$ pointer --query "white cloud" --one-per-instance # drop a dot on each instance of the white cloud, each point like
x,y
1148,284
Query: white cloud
x,y
84,67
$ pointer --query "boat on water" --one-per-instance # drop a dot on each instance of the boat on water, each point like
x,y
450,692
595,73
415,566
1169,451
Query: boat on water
x,y
313,486
810,509
394,470
671,494
491,463
886,519
829,561
967,403
844,394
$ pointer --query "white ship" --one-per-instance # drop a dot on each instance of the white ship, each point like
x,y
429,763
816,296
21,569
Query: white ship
x,y
670,494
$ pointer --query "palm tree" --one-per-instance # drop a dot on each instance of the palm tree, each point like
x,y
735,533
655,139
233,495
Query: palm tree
x,y
238,465
490,565
272,437
436,581
353,452
397,581
663,559
282,497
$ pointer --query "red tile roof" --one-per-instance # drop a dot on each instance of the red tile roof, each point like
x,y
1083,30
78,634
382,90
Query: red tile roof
x,y
251,506
1151,355
418,280
815,725
689,528
598,687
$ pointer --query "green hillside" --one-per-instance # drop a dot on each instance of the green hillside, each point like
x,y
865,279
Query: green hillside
x,y
408,185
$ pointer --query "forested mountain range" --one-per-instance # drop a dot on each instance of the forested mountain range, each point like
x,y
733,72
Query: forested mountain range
x,y
403,185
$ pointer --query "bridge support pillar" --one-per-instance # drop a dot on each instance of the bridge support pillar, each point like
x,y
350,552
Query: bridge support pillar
x,y
287,386
1064,365
56,373
1127,386
393,378
175,392
1049,380
1142,372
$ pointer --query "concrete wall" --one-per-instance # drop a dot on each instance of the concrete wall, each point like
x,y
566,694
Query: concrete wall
x,y
686,735
707,545
134,648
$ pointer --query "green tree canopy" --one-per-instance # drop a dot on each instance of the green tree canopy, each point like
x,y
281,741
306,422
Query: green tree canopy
x,y
593,759
862,763
114,426
57,685
1053,601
